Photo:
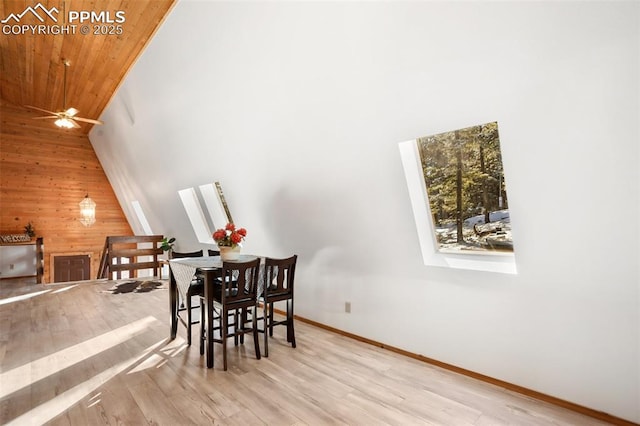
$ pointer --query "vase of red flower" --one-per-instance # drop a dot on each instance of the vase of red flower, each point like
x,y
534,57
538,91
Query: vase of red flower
x,y
229,241
229,253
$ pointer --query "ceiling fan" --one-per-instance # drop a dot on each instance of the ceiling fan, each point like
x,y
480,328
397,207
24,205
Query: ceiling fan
x,y
67,117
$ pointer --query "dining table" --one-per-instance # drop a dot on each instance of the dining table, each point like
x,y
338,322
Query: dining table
x,y
182,272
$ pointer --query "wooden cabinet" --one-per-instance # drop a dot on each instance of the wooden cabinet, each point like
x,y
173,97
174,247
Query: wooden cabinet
x,y
71,268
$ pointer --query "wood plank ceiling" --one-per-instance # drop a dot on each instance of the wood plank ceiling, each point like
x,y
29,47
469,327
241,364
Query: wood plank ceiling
x,y
31,62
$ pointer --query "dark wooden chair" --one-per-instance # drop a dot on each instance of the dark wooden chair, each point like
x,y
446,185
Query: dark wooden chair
x,y
234,299
279,277
196,288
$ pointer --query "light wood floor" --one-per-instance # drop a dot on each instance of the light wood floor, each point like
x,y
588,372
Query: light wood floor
x,y
79,355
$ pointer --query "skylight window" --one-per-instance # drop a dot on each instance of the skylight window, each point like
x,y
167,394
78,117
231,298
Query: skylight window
x,y
137,208
457,191
196,215
215,205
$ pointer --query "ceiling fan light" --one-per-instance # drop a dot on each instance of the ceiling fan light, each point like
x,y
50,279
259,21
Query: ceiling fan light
x,y
65,119
64,122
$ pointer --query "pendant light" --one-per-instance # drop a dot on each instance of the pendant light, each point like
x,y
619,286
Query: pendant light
x,y
87,211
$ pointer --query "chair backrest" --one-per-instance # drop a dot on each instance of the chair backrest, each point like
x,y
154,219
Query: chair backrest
x,y
214,252
177,254
279,276
240,282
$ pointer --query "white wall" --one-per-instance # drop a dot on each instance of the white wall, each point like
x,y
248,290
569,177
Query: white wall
x,y
17,261
298,109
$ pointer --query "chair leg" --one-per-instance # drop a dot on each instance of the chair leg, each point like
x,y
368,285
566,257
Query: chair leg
x,y
254,322
243,321
266,332
270,319
202,325
188,320
235,327
291,335
224,322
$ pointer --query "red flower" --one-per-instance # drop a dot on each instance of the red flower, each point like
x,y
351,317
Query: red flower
x,y
229,236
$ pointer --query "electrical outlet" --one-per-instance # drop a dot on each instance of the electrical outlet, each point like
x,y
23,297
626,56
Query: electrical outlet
x,y
347,307
11,266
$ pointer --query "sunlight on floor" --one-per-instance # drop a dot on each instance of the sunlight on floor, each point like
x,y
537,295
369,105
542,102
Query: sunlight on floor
x,y
157,360
56,406
94,400
60,290
22,297
27,374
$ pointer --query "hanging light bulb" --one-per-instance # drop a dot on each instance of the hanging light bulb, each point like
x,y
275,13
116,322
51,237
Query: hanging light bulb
x,y
87,211
64,122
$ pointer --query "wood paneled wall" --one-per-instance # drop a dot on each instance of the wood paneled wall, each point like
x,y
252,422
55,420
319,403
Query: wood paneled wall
x,y
44,173
31,65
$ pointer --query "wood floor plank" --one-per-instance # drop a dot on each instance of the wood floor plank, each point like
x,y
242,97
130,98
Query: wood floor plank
x,y
75,354
196,409
156,407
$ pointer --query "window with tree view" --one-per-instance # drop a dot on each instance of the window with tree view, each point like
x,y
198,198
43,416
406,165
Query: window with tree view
x,y
466,189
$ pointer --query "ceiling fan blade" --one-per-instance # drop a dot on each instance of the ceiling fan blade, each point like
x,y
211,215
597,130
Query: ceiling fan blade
x,y
88,120
43,118
72,121
40,109
71,112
